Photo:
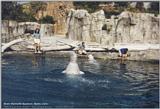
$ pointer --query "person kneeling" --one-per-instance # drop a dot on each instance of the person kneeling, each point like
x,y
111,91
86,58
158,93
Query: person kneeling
x,y
82,50
123,52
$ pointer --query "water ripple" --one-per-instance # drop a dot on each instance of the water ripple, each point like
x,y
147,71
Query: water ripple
x,y
108,83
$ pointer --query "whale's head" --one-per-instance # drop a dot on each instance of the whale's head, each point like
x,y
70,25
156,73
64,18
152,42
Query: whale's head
x,y
73,57
90,57
73,67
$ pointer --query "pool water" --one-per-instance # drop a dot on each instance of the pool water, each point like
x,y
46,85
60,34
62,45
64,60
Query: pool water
x,y
37,81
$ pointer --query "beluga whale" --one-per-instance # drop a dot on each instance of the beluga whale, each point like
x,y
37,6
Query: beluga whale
x,y
91,59
73,67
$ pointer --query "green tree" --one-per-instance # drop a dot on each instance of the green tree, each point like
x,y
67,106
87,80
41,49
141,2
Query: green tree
x,y
89,6
36,6
27,17
13,11
154,8
47,19
9,10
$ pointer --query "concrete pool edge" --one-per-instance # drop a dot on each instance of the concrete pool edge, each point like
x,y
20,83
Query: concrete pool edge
x,y
145,55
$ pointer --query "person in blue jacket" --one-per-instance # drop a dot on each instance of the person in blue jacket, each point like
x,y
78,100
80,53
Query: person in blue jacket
x,y
123,52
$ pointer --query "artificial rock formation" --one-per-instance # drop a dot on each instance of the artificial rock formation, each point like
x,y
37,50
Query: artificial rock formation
x,y
11,29
127,27
78,25
137,27
85,27
88,27
58,10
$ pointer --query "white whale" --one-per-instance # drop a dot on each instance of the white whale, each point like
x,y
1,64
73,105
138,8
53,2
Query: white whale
x,y
91,59
73,67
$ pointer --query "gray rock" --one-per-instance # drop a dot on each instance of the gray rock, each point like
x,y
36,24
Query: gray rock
x,y
128,27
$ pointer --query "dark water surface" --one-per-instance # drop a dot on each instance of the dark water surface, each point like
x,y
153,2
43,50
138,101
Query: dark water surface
x,y
37,81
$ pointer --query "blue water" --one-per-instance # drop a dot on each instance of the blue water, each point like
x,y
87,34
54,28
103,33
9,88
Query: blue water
x,y
37,81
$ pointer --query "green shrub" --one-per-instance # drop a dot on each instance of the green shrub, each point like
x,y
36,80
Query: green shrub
x,y
13,11
47,19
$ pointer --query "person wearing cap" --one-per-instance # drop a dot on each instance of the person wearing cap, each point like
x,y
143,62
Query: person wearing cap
x,y
37,40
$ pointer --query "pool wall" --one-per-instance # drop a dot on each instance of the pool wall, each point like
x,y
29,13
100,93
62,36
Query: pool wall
x,y
143,55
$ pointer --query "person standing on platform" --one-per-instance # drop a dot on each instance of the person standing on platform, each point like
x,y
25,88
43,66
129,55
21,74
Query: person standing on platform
x,y
37,40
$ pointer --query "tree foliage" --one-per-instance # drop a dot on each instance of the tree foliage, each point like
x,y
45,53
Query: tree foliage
x,y
119,6
154,8
10,10
47,19
13,11
36,6
89,6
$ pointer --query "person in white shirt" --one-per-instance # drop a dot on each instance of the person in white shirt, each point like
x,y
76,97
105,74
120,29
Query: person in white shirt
x,y
37,40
